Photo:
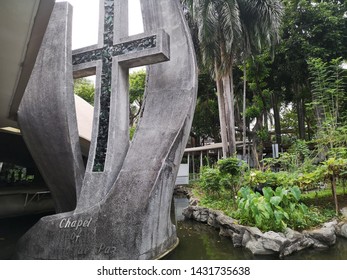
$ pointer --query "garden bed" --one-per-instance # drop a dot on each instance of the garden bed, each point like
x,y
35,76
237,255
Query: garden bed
x,y
276,243
270,242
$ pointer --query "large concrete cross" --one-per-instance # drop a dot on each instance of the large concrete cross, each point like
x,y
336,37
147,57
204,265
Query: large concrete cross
x,y
116,52
122,212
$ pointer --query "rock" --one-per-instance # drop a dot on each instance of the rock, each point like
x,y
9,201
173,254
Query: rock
x,y
344,212
181,191
296,242
292,235
297,245
194,201
246,238
326,235
188,212
256,232
212,218
341,230
255,246
200,214
237,239
250,233
318,245
229,227
273,241
225,232
331,224
225,221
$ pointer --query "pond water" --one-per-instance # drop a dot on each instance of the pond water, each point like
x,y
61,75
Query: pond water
x,y
197,241
200,241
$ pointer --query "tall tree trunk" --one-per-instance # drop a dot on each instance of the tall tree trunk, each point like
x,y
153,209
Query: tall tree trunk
x,y
257,143
300,113
277,118
301,118
222,118
333,189
229,99
244,136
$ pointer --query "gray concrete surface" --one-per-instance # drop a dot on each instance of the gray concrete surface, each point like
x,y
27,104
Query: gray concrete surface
x,y
47,116
131,220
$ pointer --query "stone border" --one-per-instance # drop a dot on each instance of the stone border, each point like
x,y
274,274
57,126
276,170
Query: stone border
x,y
268,243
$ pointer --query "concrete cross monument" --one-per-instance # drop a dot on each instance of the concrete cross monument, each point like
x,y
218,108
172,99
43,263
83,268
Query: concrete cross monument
x,y
123,205
110,60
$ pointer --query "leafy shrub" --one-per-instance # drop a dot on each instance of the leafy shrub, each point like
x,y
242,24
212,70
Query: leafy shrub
x,y
269,179
231,170
230,165
275,210
298,158
210,180
225,176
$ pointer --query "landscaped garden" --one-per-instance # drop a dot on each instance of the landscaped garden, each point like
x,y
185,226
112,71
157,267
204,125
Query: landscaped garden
x,y
292,191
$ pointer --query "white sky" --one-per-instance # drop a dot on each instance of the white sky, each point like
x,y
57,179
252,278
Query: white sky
x,y
85,21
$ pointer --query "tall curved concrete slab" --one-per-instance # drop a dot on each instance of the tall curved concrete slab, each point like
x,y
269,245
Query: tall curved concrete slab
x,y
47,116
132,220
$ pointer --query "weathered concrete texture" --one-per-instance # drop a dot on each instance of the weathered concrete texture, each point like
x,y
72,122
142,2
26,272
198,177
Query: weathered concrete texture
x,y
112,101
47,115
268,243
133,220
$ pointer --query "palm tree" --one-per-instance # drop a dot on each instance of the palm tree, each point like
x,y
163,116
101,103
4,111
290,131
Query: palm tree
x,y
216,32
227,29
260,25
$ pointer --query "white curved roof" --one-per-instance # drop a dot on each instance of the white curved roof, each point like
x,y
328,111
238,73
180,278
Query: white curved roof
x,y
22,26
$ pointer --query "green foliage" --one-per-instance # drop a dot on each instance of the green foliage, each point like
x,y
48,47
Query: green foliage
x,y
253,111
327,88
230,165
300,149
297,159
210,180
263,134
11,174
309,181
334,167
224,176
276,210
222,203
137,82
132,132
280,205
268,178
206,119
85,89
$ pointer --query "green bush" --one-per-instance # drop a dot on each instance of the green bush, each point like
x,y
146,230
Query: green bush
x,y
275,210
225,176
269,179
210,180
230,166
311,180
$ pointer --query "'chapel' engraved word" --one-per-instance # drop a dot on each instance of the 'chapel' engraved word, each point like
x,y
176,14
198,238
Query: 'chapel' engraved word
x,y
67,223
106,249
